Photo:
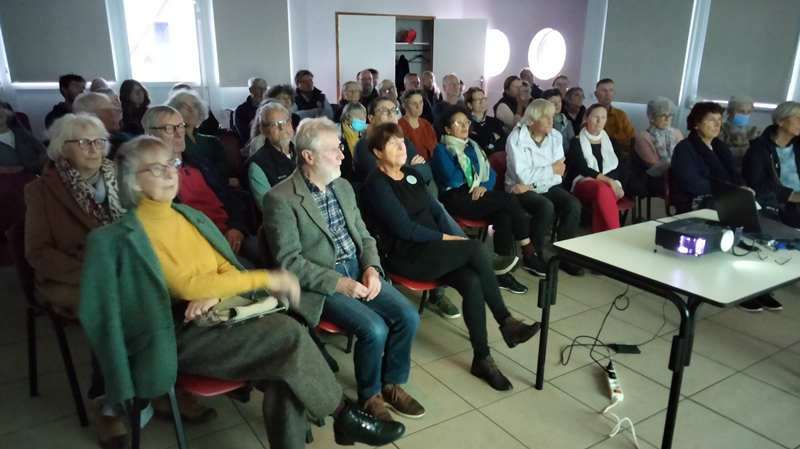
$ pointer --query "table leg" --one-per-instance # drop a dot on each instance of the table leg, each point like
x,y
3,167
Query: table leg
x,y
548,289
679,358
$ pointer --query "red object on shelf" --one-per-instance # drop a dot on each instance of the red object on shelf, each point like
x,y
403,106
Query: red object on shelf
x,y
409,36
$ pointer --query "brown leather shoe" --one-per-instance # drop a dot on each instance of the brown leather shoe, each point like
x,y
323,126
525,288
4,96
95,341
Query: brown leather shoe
x,y
375,406
401,402
515,331
487,370
111,431
191,410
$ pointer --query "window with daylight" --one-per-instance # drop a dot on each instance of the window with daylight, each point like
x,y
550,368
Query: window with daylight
x,y
547,54
162,38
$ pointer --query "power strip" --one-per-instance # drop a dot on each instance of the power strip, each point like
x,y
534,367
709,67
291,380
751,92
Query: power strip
x,y
615,391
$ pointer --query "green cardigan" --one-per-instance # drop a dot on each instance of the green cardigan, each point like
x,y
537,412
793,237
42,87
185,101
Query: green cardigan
x,y
125,308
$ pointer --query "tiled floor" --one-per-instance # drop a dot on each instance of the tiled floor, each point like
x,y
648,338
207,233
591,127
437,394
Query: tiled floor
x,y
742,389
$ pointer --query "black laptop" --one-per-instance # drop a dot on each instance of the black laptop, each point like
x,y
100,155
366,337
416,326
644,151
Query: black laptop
x,y
736,208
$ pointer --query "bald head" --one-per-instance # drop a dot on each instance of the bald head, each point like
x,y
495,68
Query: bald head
x,y
451,86
411,81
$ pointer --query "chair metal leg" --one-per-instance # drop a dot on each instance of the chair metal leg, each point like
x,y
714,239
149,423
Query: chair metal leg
x,y
33,371
176,417
134,411
423,301
349,343
73,378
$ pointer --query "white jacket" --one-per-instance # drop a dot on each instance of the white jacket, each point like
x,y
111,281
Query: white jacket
x,y
529,163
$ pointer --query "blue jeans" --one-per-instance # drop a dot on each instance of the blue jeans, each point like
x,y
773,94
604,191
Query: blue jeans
x,y
384,328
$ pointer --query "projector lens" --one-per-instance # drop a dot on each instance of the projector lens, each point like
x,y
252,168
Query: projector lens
x,y
727,240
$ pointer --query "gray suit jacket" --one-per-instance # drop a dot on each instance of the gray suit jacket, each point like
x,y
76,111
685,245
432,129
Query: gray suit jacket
x,y
300,241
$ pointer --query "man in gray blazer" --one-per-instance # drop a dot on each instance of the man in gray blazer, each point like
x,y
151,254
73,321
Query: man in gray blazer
x,y
314,230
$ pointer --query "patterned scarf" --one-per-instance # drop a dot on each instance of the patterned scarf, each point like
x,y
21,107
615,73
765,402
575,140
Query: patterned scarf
x,y
664,140
456,147
84,193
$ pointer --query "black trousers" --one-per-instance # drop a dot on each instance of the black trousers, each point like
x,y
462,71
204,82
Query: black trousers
x,y
465,265
544,207
499,208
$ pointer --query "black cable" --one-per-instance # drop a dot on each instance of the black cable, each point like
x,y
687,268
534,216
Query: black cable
x,y
663,323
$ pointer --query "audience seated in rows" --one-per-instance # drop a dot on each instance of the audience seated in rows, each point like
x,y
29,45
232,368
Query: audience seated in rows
x,y
315,230
573,107
201,187
367,87
412,82
309,102
487,131
466,189
100,105
135,101
70,87
617,124
560,122
350,93
411,230
194,111
417,129
595,170
194,271
382,110
353,124
736,131
275,160
527,75
245,113
655,146
509,108
535,170
19,150
451,87
561,82
430,88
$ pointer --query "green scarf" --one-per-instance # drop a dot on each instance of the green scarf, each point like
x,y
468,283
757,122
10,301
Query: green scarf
x,y
456,147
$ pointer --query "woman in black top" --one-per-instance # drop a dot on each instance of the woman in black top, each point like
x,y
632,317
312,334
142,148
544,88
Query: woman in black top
x,y
407,224
135,100
486,131
574,108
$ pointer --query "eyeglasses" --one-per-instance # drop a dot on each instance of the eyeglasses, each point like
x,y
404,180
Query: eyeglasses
x,y
386,91
462,123
279,123
158,170
387,111
170,129
86,144
481,100
664,116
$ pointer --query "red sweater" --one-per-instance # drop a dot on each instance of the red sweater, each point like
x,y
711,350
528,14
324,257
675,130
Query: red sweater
x,y
195,193
424,137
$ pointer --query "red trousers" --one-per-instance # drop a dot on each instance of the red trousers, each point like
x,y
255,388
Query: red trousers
x,y
600,197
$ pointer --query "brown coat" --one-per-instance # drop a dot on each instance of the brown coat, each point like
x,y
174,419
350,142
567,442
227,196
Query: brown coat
x,y
56,227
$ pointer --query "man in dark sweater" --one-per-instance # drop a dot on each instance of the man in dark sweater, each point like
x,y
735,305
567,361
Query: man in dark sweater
x,y
70,86
367,86
309,102
246,111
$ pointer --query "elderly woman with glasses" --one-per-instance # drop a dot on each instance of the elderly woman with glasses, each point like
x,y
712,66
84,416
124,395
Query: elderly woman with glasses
x,y
350,93
194,111
163,267
466,189
76,193
654,146
736,130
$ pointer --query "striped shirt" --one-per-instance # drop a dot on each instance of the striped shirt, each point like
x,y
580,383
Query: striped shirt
x,y
332,212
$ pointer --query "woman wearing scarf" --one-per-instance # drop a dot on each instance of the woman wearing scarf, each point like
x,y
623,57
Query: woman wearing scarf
x,y
560,121
466,189
76,193
656,145
411,231
593,170
736,131
353,123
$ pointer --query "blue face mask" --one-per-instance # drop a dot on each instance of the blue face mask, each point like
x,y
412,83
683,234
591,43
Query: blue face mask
x,y
740,120
358,125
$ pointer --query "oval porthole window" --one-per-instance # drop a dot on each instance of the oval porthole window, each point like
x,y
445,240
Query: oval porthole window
x,y
547,54
497,53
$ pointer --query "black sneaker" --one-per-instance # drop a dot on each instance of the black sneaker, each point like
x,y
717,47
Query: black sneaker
x,y
536,265
507,282
769,302
503,264
572,269
752,305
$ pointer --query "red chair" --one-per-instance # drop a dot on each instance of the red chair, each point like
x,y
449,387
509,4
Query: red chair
x,y
482,225
624,205
417,286
16,245
499,164
268,261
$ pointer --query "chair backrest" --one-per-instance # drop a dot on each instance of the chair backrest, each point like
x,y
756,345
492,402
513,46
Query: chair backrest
x,y
498,163
23,120
15,235
667,204
263,246
233,146
12,197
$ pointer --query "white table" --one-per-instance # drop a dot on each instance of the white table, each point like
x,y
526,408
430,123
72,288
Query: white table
x,y
630,255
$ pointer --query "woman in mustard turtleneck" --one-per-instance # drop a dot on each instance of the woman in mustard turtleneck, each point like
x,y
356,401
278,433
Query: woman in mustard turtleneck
x,y
197,270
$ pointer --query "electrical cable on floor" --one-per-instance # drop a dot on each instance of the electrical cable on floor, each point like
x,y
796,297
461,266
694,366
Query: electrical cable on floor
x,y
596,339
618,427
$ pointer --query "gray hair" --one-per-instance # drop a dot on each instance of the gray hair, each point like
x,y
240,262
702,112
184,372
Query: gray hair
x,y
254,80
350,109
344,86
181,97
660,105
309,133
267,106
128,165
152,117
736,101
68,127
784,111
89,102
536,110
